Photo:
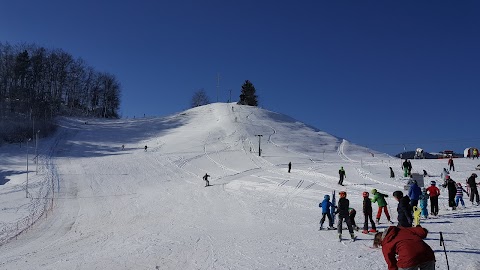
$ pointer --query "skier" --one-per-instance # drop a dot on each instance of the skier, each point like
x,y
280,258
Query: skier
x,y
205,177
367,213
342,175
351,214
146,148
473,188
424,203
325,205
123,146
425,174
459,196
450,163
475,153
289,166
392,174
414,193
452,191
405,168
433,192
379,198
342,210
404,209
403,248
444,175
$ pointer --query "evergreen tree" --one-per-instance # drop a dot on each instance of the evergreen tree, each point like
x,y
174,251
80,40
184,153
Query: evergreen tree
x,y
247,96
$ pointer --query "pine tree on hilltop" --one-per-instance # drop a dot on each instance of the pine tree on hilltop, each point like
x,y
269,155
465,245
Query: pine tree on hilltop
x,y
247,96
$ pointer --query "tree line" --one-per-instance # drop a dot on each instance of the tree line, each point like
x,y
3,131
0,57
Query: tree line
x,y
37,84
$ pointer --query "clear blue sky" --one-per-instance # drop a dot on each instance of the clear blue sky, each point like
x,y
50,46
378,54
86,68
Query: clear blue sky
x,y
378,73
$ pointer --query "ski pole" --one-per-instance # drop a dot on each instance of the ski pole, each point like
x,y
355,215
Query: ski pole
x,y
442,243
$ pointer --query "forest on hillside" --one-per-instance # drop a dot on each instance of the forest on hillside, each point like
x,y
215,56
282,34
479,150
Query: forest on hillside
x,y
38,84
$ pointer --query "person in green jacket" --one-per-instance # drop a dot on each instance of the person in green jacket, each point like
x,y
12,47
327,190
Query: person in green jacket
x,y
379,198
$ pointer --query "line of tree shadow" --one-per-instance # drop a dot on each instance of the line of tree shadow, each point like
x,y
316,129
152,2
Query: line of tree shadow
x,y
5,173
106,137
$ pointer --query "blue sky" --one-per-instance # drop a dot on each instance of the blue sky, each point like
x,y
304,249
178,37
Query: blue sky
x,y
383,74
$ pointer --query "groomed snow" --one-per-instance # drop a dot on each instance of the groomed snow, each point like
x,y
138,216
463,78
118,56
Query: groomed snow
x,y
96,206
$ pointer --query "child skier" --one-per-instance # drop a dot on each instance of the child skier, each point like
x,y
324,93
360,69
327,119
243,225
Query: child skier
x,y
351,214
433,192
382,204
325,205
424,203
367,213
342,210
459,196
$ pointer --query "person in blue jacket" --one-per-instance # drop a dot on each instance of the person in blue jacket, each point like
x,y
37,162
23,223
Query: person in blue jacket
x,y
424,203
414,193
325,205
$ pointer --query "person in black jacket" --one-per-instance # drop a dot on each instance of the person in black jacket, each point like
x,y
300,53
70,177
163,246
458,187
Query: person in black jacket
x,y
342,175
343,214
473,188
404,209
368,214
452,191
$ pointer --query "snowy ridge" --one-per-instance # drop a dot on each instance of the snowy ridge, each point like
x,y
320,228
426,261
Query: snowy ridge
x,y
137,209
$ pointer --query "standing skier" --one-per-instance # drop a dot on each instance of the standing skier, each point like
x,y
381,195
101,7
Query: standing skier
x,y
450,163
367,213
414,193
404,209
343,215
459,196
289,166
325,205
452,191
473,188
424,203
342,175
433,192
205,177
379,198
392,174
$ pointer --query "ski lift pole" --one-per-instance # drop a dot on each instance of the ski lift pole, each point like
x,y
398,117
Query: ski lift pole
x,y
442,243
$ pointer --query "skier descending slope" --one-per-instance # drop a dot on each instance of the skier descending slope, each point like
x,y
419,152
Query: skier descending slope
x,y
343,215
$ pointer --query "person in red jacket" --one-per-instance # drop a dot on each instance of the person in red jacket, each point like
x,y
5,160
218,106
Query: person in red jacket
x,y
403,248
433,192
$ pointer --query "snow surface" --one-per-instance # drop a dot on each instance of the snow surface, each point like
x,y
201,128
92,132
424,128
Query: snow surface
x,y
96,206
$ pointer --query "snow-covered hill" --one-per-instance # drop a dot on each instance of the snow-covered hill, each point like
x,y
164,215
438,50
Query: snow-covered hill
x,y
96,206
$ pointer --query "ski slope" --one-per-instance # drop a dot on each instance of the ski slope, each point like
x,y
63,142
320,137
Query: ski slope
x,y
93,205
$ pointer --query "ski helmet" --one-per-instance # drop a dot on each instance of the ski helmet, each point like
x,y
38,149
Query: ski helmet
x,y
474,174
447,177
342,194
433,183
374,191
459,184
326,197
365,194
424,190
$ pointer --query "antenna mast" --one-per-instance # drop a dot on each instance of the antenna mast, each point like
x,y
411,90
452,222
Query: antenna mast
x,y
218,84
